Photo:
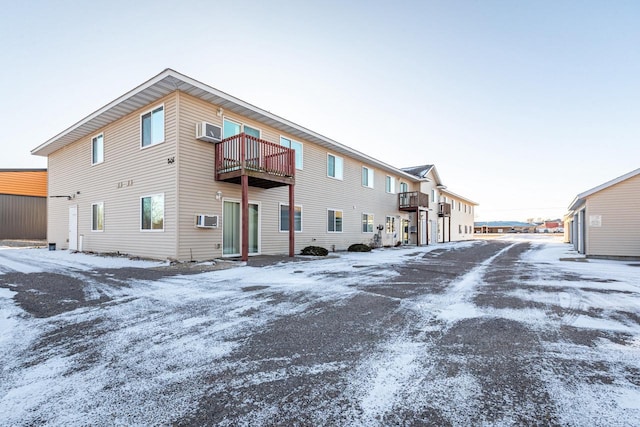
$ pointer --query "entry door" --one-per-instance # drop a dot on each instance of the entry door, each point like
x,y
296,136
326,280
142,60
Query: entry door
x,y
73,227
232,228
434,231
423,228
405,231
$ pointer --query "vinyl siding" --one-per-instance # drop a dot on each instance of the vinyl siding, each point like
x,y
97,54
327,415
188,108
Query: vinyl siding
x,y
460,219
314,191
24,183
619,207
127,173
189,186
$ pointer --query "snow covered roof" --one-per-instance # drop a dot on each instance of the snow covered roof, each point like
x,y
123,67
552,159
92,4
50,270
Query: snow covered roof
x,y
581,198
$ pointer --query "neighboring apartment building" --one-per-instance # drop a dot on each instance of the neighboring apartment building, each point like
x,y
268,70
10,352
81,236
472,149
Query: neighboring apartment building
x,y
450,215
605,221
23,204
177,169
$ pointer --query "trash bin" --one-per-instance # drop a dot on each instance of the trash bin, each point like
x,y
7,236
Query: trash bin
x,y
52,246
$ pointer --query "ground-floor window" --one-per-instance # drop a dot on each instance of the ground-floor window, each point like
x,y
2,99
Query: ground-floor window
x,y
367,223
334,221
97,216
390,224
284,218
152,212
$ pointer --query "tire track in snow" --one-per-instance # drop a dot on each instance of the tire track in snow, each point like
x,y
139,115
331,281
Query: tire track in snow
x,y
386,377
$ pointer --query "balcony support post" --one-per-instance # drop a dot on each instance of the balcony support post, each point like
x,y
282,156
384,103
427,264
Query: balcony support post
x,y
245,217
426,224
292,213
418,229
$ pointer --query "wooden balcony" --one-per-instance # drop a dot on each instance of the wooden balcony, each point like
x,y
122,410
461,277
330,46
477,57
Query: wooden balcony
x,y
412,200
444,209
266,164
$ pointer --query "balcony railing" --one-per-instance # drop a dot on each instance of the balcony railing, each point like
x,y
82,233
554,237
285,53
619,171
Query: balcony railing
x,y
266,163
444,209
412,200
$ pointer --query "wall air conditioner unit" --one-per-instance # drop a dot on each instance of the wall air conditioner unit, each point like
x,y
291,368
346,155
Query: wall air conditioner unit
x,y
208,132
207,221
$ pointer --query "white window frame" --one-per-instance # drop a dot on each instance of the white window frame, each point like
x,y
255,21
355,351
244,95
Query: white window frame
x,y
92,218
93,149
404,186
152,230
335,163
390,184
164,124
373,222
334,220
242,126
392,229
280,218
291,142
370,177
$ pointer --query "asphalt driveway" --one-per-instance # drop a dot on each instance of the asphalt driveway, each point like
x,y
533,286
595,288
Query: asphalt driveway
x,y
495,332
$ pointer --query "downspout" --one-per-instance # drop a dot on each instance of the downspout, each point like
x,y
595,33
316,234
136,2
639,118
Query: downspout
x,y
177,178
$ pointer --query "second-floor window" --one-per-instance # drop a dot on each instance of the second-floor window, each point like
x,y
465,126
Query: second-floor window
x,y
367,177
296,146
152,124
390,184
97,149
404,187
231,128
334,166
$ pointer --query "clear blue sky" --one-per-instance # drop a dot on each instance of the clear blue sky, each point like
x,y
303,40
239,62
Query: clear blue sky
x,y
520,105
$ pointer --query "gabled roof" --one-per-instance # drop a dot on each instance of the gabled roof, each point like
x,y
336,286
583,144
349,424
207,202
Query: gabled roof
x,y
457,196
169,81
581,198
422,172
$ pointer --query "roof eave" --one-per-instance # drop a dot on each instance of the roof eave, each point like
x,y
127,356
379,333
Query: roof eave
x,y
96,120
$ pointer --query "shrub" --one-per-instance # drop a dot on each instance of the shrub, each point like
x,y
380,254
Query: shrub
x,y
359,247
315,251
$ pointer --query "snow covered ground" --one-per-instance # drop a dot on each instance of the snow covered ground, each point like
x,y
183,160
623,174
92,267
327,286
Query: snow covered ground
x,y
502,341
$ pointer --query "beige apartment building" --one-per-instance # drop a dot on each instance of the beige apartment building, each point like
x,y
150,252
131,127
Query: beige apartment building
x,y
176,169
451,216
604,221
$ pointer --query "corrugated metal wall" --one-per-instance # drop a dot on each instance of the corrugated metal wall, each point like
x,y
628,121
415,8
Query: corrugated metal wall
x,y
23,217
